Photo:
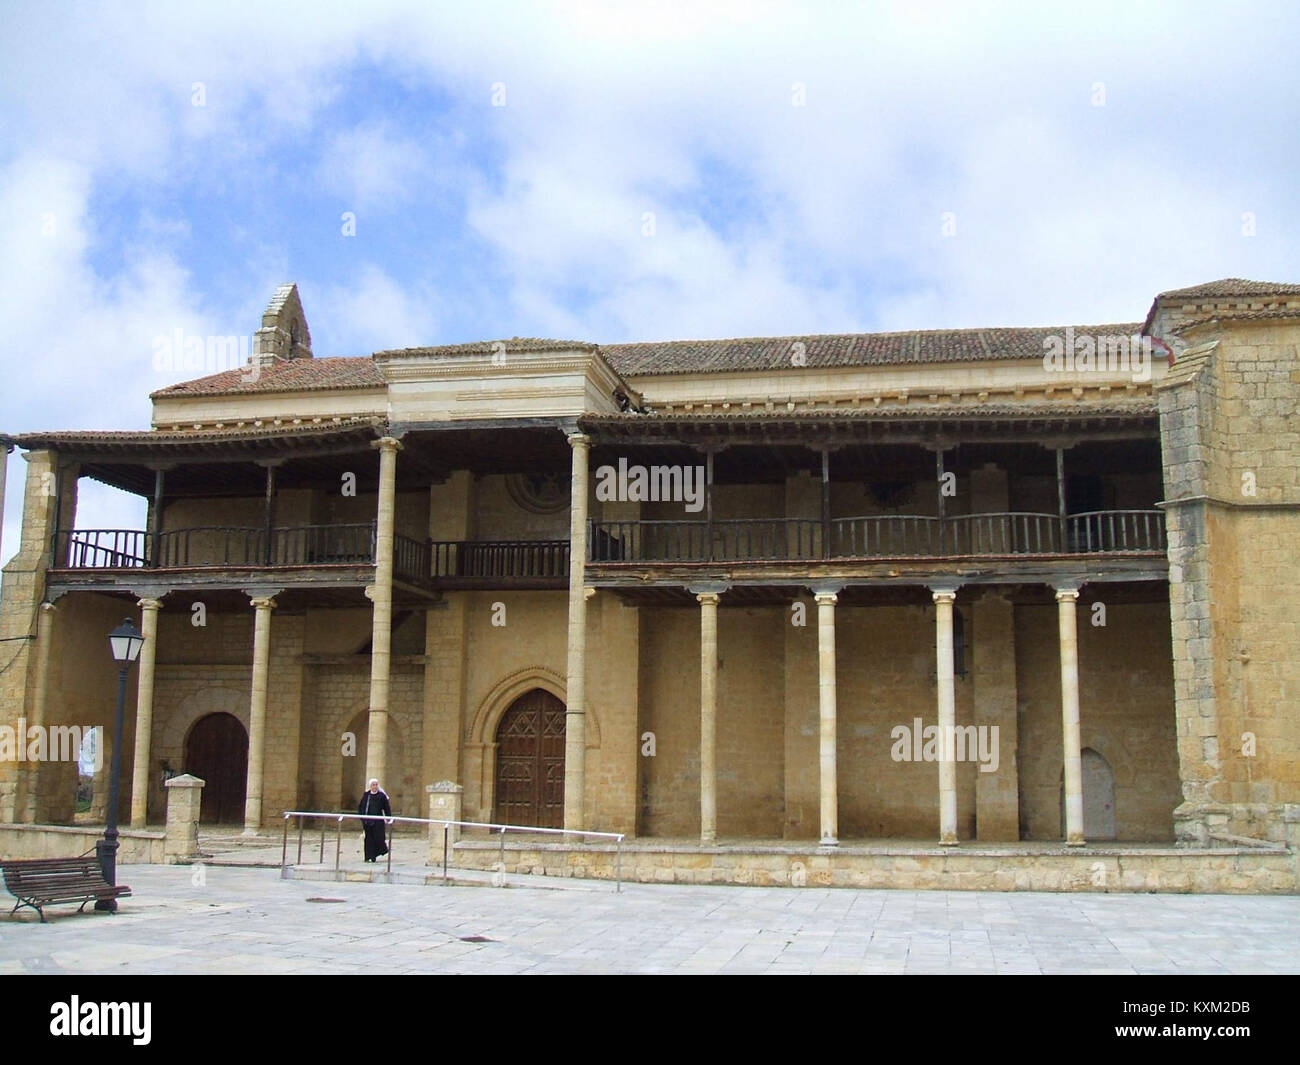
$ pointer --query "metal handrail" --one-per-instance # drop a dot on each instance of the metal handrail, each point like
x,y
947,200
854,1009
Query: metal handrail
x,y
339,818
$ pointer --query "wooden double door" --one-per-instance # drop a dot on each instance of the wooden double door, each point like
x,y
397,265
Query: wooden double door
x,y
530,762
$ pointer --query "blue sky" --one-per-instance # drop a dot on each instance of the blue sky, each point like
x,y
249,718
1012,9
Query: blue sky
x,y
164,167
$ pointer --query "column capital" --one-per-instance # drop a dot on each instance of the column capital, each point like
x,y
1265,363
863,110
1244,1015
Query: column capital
x,y
822,588
944,593
149,603
826,598
588,592
708,598
577,440
263,600
1067,592
48,608
387,443
713,588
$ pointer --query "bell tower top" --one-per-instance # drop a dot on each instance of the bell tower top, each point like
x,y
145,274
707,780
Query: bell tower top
x,y
284,333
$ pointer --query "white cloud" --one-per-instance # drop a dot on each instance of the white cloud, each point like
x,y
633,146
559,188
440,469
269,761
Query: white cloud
x,y
372,168
769,217
372,312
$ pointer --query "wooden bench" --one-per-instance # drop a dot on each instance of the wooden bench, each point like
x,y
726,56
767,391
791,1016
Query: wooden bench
x,y
44,882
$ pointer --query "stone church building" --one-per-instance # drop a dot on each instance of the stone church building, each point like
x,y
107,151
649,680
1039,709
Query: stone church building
x,y
958,588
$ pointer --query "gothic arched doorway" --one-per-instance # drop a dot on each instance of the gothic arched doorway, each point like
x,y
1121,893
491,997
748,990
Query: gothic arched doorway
x,y
530,762
216,751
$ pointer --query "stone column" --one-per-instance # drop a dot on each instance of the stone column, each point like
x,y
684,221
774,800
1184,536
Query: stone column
x,y
826,713
263,605
381,596
575,710
1066,599
943,601
144,711
708,715
29,777
184,800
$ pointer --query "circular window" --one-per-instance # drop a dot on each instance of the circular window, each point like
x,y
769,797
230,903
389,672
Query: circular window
x,y
541,493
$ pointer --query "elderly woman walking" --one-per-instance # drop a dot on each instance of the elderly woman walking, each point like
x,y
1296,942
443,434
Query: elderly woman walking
x,y
375,803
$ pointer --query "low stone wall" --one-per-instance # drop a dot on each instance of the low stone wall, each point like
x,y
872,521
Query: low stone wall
x,y
61,841
1100,869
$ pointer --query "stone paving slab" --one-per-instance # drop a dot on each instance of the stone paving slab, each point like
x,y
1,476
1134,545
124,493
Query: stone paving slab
x,y
241,920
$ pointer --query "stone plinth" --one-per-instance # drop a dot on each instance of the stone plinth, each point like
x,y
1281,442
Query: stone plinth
x,y
445,799
184,797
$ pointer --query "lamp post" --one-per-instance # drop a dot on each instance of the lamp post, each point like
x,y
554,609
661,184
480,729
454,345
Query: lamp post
x,y
125,641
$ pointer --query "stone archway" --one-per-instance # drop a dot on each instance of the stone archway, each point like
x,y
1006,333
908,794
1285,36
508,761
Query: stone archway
x,y
1099,817
170,739
530,762
1100,821
216,751
481,740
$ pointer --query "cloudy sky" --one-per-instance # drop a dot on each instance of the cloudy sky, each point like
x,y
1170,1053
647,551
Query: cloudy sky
x,y
613,172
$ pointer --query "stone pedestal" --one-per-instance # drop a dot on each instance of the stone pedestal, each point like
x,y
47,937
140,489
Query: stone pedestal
x,y
184,797
445,798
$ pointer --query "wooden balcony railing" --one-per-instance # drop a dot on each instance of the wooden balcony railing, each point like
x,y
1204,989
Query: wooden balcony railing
x,y
878,536
525,559
546,561
215,546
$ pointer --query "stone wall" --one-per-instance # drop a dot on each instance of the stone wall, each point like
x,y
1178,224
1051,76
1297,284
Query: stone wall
x,y
750,722
1125,713
1098,870
1232,479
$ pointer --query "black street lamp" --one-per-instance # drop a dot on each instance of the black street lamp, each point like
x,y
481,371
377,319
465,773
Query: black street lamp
x,y
126,641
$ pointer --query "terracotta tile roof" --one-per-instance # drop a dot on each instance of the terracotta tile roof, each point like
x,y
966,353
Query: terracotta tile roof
x,y
294,375
148,438
487,347
1238,316
670,357
850,349
1143,406
1231,286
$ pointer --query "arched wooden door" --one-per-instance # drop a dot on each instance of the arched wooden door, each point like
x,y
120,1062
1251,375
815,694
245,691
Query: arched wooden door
x,y
217,752
530,762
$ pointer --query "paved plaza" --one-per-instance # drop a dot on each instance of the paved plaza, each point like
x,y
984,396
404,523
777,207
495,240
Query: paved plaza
x,y
246,920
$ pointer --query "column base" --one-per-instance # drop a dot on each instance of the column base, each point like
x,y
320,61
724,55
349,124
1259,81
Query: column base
x,y
949,841
1077,842
708,841
828,841
250,833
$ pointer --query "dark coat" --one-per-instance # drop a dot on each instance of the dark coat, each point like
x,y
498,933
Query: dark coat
x,y
375,834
